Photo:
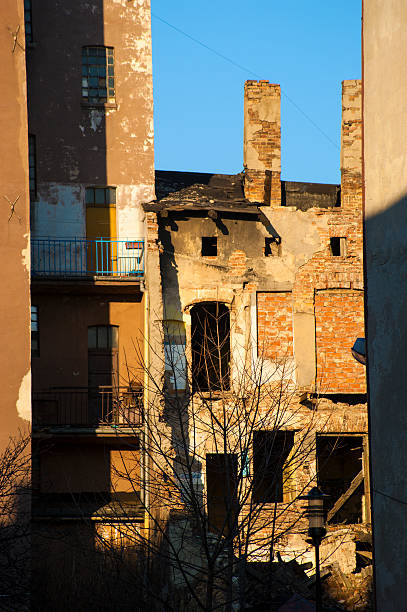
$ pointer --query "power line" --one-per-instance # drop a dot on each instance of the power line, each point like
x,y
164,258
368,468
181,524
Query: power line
x,y
247,70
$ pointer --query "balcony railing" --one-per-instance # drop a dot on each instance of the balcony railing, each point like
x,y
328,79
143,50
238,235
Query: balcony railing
x,y
82,257
88,407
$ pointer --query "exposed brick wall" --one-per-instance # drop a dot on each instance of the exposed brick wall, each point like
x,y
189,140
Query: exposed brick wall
x,y
262,142
339,320
275,325
237,263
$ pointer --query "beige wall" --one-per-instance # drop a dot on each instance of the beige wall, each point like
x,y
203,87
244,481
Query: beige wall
x,y
385,161
15,405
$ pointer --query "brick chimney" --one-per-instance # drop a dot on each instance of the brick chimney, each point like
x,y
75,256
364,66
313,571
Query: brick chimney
x,y
351,145
262,142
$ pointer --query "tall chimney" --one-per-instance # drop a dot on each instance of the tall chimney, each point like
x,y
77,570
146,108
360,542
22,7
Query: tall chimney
x,y
262,142
351,145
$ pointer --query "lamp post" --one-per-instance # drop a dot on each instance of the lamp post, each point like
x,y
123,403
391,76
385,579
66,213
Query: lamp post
x,y
316,531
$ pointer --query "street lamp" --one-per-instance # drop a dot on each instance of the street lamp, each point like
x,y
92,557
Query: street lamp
x,y
316,531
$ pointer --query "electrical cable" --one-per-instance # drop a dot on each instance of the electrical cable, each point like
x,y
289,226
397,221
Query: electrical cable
x,y
240,67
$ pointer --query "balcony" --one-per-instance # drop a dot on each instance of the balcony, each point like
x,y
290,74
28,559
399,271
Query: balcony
x,y
84,407
80,257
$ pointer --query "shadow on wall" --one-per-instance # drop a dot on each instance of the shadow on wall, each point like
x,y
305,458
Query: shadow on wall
x,y
386,332
69,130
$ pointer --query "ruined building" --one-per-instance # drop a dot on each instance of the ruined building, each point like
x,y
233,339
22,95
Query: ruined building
x,y
256,270
161,303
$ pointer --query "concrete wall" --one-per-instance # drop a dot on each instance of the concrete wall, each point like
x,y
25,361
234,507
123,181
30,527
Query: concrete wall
x,y
385,161
15,405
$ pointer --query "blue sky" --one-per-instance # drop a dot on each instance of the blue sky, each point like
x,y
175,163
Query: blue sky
x,y
307,47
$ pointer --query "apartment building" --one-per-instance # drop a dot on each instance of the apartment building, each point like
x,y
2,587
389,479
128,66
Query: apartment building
x,y
90,139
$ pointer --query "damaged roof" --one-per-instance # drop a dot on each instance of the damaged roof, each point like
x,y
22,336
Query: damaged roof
x,y
199,190
180,190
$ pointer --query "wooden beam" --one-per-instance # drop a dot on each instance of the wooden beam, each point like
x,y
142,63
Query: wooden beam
x,y
344,498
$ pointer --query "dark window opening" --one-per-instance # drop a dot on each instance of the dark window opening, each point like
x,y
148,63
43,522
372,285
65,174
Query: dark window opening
x,y
209,246
221,483
338,247
100,196
32,165
28,21
35,339
339,462
98,84
271,247
271,469
210,339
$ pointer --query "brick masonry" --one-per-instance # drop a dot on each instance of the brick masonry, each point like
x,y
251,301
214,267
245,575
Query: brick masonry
x,y
339,321
274,325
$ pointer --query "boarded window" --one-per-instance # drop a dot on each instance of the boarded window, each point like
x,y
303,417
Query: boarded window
x,y
210,338
271,467
98,85
339,461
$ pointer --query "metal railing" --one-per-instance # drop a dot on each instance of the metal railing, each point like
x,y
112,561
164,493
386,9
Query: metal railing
x,y
83,257
88,407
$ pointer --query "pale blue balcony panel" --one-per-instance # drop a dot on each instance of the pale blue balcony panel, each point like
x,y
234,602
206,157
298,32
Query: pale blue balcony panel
x,y
82,257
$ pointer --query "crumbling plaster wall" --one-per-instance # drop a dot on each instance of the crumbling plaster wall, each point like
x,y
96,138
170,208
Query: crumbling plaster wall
x,y
15,406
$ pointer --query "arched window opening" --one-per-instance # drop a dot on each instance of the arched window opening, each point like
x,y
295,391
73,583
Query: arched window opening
x,y
210,344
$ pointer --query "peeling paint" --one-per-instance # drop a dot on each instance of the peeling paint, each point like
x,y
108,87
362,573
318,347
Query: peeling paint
x,y
24,398
26,254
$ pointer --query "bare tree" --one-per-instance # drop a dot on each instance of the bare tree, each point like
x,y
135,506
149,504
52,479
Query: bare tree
x,y
224,435
15,494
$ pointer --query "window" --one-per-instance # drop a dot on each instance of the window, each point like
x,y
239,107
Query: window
x,y
271,468
210,343
338,247
28,21
209,246
103,337
100,196
221,490
340,475
271,247
98,75
35,344
32,165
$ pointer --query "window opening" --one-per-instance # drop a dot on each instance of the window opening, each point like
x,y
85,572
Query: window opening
x,y
28,21
35,344
98,84
210,343
32,165
339,464
271,467
271,247
209,246
221,482
338,246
